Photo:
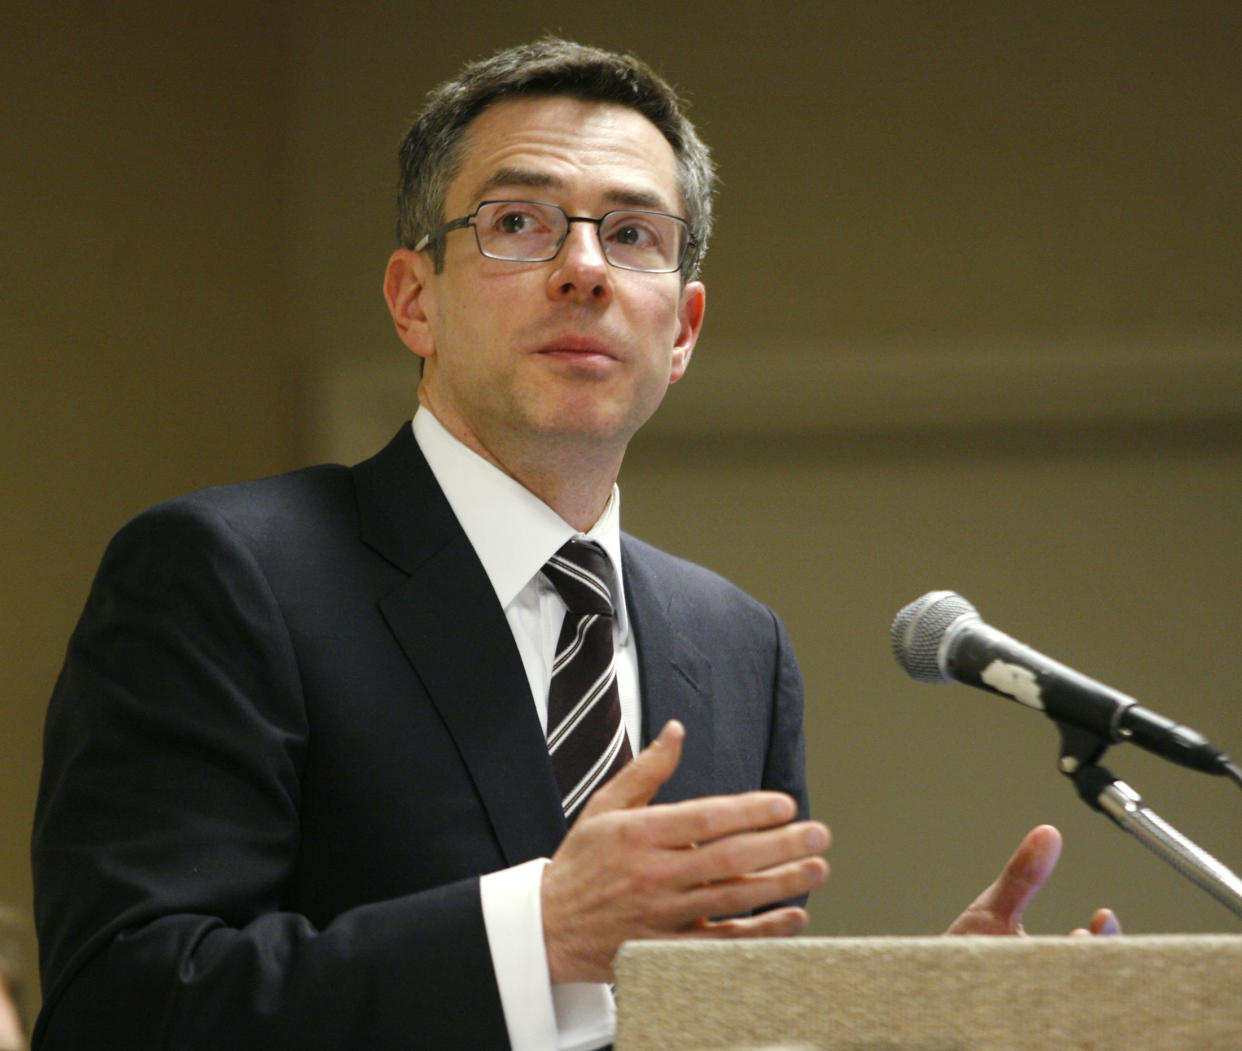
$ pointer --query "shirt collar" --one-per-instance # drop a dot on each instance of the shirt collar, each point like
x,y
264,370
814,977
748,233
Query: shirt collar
x,y
513,532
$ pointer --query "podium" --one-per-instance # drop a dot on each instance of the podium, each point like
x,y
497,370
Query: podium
x,y
1157,992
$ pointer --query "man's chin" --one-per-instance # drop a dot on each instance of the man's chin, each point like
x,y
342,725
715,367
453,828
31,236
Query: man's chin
x,y
600,418
594,427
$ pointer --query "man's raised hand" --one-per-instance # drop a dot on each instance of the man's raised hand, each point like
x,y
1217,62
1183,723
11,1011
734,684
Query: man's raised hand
x,y
999,909
630,870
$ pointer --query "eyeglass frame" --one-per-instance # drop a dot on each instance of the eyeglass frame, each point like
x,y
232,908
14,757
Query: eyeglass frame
x,y
468,220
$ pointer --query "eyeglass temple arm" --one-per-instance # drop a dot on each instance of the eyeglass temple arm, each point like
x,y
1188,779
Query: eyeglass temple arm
x,y
435,235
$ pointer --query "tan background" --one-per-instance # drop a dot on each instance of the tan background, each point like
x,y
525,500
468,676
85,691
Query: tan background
x,y
974,323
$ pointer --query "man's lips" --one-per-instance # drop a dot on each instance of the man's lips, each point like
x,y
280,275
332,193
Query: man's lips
x,y
580,349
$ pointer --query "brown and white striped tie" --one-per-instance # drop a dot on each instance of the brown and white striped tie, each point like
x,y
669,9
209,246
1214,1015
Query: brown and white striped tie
x,y
586,736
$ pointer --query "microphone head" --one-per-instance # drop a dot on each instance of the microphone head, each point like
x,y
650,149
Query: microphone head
x,y
919,628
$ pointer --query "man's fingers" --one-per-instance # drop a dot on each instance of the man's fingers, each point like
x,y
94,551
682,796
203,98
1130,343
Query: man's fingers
x,y
776,923
1103,922
755,889
699,821
692,821
1025,872
629,870
999,909
750,852
636,784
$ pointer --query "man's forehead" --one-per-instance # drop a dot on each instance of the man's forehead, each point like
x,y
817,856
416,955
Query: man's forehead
x,y
513,179
549,141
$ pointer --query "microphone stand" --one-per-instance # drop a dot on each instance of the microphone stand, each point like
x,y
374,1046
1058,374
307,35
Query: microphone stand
x,y
1100,790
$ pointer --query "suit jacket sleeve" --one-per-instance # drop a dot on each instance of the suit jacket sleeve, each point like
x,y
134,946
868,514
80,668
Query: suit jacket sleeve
x,y
168,834
785,767
722,663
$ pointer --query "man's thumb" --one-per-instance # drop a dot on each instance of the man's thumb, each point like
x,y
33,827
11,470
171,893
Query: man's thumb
x,y
636,783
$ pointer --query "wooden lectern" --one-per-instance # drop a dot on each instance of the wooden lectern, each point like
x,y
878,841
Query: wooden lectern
x,y
1133,993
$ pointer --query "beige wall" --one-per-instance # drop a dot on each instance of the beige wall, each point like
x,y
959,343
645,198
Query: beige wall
x,y
974,323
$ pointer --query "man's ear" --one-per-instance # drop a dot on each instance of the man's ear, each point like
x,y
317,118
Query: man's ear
x,y
406,292
689,325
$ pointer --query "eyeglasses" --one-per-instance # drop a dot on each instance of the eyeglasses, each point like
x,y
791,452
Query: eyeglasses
x,y
533,232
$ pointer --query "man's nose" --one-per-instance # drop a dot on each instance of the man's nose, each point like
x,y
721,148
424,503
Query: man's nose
x,y
580,269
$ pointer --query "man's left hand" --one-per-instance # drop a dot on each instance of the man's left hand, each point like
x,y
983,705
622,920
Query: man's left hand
x,y
999,909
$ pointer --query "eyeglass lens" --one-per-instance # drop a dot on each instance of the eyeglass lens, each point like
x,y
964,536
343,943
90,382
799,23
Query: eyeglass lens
x,y
528,231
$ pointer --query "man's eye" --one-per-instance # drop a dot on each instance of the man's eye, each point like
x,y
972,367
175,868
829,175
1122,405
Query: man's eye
x,y
514,223
634,235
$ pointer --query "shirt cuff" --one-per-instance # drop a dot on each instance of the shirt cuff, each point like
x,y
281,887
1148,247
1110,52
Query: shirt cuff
x,y
538,1015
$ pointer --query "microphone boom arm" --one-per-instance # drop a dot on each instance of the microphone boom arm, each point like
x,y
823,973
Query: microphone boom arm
x,y
1101,791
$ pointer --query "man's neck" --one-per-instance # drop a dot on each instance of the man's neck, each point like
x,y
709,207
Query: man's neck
x,y
573,476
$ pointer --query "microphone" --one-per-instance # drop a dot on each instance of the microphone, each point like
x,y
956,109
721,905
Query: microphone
x,y
941,637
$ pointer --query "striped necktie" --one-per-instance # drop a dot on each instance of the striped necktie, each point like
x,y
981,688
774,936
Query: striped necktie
x,y
586,737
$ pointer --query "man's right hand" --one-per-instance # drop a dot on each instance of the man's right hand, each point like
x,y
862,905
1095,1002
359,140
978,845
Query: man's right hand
x,y
630,870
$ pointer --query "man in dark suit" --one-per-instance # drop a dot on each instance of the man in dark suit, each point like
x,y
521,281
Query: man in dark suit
x,y
297,790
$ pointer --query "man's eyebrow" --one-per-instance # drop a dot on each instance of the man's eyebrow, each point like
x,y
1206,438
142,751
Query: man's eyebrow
x,y
536,180
638,199
516,177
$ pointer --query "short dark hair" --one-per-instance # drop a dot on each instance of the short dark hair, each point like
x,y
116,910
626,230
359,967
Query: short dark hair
x,y
431,153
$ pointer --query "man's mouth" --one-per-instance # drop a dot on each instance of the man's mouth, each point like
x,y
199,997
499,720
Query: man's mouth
x,y
581,349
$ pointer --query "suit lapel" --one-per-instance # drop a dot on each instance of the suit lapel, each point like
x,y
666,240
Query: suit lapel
x,y
674,675
453,631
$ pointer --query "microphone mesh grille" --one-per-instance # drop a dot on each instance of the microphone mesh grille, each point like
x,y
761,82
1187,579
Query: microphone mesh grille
x,y
918,629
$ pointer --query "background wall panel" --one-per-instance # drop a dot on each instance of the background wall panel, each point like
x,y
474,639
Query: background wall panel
x,y
973,323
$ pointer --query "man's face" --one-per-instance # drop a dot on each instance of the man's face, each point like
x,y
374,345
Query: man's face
x,y
530,359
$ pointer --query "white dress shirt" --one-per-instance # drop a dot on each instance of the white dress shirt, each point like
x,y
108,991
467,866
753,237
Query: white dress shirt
x,y
514,533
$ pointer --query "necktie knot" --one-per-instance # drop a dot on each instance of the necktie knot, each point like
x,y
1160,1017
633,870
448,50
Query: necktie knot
x,y
582,575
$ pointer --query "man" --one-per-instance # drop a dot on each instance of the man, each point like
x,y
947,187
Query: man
x,y
303,766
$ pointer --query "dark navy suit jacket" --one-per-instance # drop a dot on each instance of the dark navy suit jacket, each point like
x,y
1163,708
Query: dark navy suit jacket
x,y
293,729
